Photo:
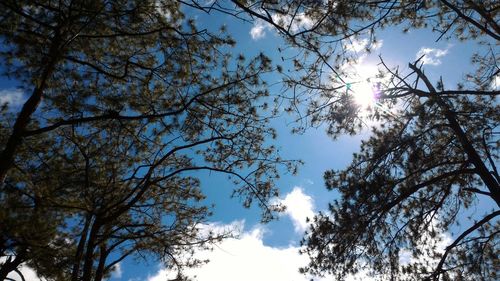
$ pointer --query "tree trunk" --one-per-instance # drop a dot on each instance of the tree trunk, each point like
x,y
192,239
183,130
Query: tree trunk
x,y
99,273
88,262
29,107
79,250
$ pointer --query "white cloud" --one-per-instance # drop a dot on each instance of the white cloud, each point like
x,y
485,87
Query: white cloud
x,y
299,22
309,181
431,56
360,45
245,259
495,83
248,259
258,30
12,97
299,206
117,271
28,273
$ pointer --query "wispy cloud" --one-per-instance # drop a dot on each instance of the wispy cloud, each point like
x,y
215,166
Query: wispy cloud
x,y
12,97
431,56
258,30
117,271
299,22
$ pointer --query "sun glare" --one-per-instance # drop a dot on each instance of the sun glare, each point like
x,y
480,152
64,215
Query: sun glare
x,y
364,94
364,86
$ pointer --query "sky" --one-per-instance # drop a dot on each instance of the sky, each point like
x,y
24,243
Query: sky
x,y
270,251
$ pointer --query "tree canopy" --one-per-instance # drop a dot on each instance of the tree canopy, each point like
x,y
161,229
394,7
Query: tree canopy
x,y
410,184
127,99
431,156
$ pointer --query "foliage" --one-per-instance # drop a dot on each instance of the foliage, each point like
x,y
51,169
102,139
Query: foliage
x,y
324,32
431,158
128,96
128,99
432,155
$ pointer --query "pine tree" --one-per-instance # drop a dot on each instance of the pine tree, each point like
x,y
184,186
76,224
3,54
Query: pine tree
x,y
127,101
432,155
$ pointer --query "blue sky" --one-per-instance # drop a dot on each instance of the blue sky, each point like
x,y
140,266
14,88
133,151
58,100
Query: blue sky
x,y
270,251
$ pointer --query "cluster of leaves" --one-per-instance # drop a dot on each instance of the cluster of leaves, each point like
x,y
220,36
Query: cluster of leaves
x,y
127,99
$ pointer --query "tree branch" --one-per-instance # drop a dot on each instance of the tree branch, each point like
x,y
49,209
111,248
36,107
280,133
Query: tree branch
x,y
471,20
469,149
117,116
439,268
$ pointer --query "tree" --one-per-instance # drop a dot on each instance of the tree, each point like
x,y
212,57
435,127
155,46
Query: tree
x,y
102,211
409,184
432,157
110,213
139,68
127,100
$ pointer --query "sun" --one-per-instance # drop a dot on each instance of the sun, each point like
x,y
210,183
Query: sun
x,y
364,86
364,94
